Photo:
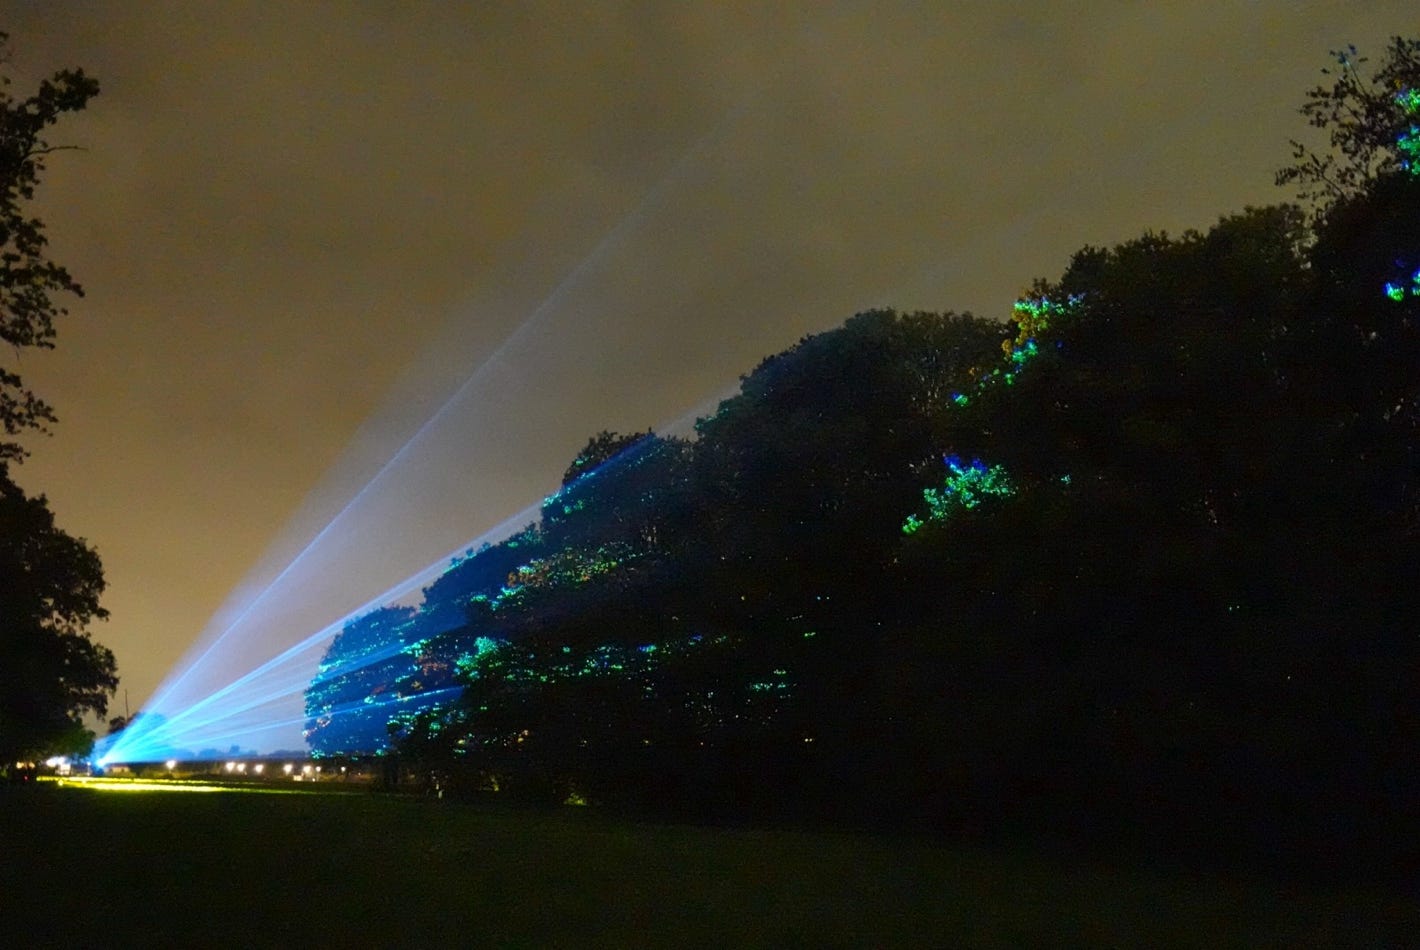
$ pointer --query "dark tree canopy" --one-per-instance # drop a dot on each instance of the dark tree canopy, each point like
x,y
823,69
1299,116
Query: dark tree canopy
x,y
51,673
1136,569
1196,592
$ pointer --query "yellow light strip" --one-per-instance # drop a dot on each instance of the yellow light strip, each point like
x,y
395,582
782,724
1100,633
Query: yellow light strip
x,y
108,784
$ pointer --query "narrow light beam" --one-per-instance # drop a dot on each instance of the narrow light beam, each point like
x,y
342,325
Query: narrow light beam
x,y
614,237
280,677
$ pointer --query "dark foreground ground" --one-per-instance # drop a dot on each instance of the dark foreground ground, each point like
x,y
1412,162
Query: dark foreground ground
x,y
157,869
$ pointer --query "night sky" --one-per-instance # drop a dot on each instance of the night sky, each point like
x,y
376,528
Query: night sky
x,y
301,227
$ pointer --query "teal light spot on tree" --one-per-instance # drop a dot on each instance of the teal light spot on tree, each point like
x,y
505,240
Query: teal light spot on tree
x,y
966,486
1399,291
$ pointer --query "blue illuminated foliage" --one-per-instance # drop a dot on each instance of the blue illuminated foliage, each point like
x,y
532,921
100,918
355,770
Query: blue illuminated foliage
x,y
580,665
429,651
1401,289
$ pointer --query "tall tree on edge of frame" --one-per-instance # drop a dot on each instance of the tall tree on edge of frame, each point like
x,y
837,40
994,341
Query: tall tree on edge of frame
x,y
51,672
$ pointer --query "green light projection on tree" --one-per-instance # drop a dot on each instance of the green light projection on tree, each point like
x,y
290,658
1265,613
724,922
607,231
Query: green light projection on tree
x,y
968,484
1399,291
1408,142
565,568
468,662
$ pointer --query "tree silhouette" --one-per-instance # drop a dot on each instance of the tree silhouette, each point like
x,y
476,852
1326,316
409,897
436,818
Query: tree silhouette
x,y
50,671
1372,122
1161,593
28,279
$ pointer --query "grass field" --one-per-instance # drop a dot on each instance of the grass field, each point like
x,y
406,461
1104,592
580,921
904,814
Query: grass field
x,y
157,869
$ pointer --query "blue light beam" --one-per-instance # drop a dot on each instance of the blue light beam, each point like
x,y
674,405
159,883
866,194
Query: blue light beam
x,y
629,224
158,739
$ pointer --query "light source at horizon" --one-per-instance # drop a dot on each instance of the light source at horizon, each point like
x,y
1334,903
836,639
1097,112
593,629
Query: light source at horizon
x,y
244,706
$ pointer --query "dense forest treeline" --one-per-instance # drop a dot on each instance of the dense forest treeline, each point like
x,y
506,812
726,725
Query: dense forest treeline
x,y
1138,563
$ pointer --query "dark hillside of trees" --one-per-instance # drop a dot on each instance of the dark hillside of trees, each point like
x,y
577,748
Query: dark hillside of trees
x,y
1135,569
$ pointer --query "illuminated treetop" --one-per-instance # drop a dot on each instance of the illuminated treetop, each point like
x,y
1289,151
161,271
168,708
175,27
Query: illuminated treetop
x,y
1371,121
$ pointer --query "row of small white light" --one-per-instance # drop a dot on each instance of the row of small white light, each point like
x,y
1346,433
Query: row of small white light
x,y
240,768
